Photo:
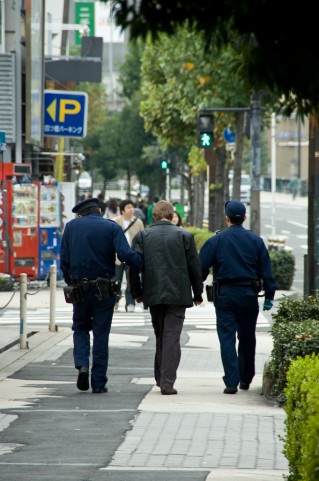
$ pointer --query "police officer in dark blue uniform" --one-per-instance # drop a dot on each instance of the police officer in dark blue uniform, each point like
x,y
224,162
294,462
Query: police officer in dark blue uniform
x,y
239,259
88,247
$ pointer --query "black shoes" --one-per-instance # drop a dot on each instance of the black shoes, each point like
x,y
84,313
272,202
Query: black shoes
x,y
230,390
167,391
83,379
244,386
99,390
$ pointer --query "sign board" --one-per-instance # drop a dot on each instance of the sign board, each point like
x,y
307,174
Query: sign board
x,y
84,15
2,140
229,135
65,113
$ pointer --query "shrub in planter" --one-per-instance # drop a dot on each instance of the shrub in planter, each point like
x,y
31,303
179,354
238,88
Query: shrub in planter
x,y
295,332
200,236
302,421
283,268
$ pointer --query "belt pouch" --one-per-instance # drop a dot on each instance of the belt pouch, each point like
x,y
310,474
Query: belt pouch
x,y
73,294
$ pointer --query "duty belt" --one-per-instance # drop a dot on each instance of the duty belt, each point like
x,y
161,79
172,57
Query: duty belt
x,y
234,282
84,282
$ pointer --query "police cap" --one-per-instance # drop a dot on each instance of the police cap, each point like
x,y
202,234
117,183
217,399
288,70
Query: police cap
x,y
85,204
235,208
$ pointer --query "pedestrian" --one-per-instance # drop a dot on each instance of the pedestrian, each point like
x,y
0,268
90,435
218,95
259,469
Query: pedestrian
x,y
102,203
88,247
131,225
112,209
149,216
171,282
177,220
294,187
240,260
141,205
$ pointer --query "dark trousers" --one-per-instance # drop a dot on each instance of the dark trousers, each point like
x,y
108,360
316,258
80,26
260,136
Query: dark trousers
x,y
96,316
237,311
167,323
119,271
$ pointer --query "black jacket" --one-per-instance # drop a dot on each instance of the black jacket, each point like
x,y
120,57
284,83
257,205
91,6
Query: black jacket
x,y
171,266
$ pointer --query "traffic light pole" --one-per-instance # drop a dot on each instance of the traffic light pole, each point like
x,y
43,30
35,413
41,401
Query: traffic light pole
x,y
255,129
168,186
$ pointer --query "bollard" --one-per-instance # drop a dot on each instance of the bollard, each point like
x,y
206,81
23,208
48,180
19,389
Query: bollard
x,y
52,326
23,311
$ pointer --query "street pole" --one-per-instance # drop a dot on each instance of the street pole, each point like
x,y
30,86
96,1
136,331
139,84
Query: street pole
x,y
168,187
312,259
255,130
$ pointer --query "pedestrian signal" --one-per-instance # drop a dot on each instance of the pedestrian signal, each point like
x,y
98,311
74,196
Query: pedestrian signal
x,y
164,164
205,131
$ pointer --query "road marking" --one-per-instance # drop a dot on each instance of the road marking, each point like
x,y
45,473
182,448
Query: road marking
x,y
298,224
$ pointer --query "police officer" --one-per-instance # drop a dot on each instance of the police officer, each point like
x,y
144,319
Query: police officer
x,y
240,260
88,247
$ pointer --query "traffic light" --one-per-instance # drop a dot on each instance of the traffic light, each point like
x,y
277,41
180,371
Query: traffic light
x,y
205,131
164,164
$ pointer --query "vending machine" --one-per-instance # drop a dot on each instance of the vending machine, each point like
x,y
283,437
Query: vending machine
x,y
50,231
19,221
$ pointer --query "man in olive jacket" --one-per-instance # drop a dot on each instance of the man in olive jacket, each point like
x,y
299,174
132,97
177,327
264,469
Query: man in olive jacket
x,y
170,282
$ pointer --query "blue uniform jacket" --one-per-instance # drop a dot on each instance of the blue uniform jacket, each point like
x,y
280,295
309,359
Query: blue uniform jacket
x,y
89,245
238,254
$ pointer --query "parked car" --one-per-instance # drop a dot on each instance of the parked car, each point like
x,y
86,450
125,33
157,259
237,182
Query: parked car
x,y
245,186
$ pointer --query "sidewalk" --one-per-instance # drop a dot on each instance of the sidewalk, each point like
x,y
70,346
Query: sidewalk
x,y
231,437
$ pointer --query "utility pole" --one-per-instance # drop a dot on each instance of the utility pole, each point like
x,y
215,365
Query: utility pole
x,y
255,149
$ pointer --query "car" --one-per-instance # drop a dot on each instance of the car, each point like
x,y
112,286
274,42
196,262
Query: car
x,y
245,187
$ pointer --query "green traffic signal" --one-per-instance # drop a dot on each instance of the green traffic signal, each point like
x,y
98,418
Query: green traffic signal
x,y
206,139
164,164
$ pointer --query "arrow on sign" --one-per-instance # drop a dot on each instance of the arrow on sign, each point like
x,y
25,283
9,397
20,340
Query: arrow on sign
x,y
52,110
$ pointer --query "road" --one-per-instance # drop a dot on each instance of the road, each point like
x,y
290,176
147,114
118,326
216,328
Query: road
x,y
291,221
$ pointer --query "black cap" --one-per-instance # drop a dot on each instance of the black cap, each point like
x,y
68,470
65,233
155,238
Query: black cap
x,y
235,208
85,204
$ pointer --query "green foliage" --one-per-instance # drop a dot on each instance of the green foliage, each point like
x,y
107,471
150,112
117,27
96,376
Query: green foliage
x,y
179,76
197,161
130,70
283,267
97,105
200,236
266,56
295,333
302,421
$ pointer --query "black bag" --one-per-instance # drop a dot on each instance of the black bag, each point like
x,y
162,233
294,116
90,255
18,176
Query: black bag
x,y
108,287
211,292
73,294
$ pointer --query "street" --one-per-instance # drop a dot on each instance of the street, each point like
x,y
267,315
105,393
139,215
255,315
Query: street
x,y
290,222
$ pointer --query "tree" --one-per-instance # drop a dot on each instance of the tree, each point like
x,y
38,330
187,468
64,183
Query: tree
x,y
178,78
275,56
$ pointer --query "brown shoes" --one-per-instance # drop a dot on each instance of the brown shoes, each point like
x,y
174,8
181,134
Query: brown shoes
x,y
168,391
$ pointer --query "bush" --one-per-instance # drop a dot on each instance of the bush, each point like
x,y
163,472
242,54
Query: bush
x,y
283,268
295,333
200,236
302,422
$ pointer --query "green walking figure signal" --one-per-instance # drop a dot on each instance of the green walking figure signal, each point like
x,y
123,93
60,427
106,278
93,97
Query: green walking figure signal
x,y
164,164
206,140
205,131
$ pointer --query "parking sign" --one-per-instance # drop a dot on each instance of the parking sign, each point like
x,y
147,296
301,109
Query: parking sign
x,y
65,113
